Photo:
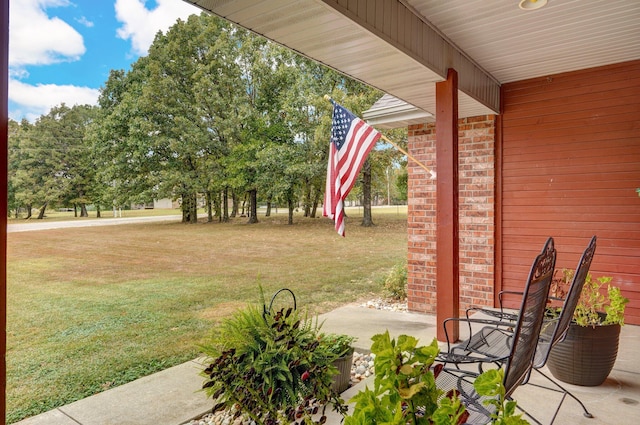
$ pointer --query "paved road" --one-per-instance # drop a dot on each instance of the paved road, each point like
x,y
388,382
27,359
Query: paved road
x,y
44,225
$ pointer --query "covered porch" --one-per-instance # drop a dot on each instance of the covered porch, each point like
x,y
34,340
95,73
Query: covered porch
x,y
472,66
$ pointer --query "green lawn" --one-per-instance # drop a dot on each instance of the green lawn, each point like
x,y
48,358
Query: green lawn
x,y
92,308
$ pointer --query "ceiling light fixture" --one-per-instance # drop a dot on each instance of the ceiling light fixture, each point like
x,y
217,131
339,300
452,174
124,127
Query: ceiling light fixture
x,y
532,4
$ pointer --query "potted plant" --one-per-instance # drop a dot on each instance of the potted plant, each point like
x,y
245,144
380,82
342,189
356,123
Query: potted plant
x,y
588,353
341,346
271,367
405,390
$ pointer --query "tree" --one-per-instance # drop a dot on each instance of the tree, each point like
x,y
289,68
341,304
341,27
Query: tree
x,y
169,121
269,72
50,162
218,92
16,135
311,120
79,170
123,166
201,113
182,140
281,173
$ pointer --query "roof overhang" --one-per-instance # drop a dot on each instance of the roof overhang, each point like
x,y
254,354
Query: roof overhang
x,y
391,112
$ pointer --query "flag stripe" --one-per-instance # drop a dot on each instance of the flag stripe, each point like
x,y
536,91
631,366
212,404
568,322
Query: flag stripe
x,y
351,141
356,156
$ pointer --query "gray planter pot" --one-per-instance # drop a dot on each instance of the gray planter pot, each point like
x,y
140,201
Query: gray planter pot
x,y
342,380
586,356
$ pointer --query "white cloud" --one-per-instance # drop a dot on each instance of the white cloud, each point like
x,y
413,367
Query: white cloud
x,y
39,99
37,39
84,21
140,24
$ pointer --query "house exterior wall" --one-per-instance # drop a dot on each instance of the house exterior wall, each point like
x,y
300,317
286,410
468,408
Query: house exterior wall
x,y
477,218
568,153
571,167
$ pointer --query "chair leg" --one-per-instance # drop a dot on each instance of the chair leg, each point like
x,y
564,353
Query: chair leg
x,y
565,394
528,414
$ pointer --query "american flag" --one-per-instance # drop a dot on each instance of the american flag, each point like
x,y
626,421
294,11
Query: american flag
x,y
351,141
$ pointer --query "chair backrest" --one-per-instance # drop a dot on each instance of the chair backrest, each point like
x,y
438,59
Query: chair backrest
x,y
570,303
529,324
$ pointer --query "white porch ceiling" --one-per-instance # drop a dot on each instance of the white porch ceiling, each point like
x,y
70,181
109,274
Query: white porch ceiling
x,y
564,35
403,47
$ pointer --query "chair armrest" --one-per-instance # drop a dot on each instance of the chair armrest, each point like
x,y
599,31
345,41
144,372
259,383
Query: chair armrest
x,y
497,314
502,293
469,321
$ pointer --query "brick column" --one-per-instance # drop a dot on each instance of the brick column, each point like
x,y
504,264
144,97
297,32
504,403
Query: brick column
x,y
476,166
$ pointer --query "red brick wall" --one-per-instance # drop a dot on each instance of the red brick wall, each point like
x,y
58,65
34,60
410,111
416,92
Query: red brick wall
x,y
477,218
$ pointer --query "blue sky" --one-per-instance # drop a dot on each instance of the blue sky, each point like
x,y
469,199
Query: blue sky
x,y
62,50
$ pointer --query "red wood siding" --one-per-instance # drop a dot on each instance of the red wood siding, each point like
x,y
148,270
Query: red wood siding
x,y
570,169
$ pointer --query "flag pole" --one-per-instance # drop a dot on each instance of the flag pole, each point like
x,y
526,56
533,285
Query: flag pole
x,y
386,139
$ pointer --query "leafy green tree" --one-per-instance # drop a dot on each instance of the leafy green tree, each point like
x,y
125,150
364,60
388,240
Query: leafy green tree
x,y
50,160
218,92
306,112
268,74
402,184
167,123
208,111
79,169
32,177
180,141
281,173
16,134
312,120
394,166
119,146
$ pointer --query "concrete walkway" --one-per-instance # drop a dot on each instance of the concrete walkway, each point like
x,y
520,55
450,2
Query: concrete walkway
x,y
34,225
172,397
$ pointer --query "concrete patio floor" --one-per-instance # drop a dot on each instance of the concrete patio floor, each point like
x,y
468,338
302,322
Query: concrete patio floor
x,y
172,397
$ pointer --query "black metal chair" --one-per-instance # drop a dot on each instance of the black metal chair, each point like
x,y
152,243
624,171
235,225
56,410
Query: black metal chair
x,y
492,342
562,323
520,351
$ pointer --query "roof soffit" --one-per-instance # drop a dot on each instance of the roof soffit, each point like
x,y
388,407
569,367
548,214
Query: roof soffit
x,y
398,24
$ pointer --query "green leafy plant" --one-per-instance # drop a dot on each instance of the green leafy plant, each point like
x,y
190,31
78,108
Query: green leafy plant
x,y
594,307
395,284
338,344
405,390
490,384
272,368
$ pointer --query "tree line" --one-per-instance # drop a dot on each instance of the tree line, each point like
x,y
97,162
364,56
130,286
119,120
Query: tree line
x,y
212,114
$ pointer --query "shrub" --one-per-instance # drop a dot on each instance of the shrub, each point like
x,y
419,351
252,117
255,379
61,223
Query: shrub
x,y
395,285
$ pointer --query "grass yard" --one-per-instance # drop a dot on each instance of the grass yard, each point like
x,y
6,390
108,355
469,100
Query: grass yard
x,y
95,307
